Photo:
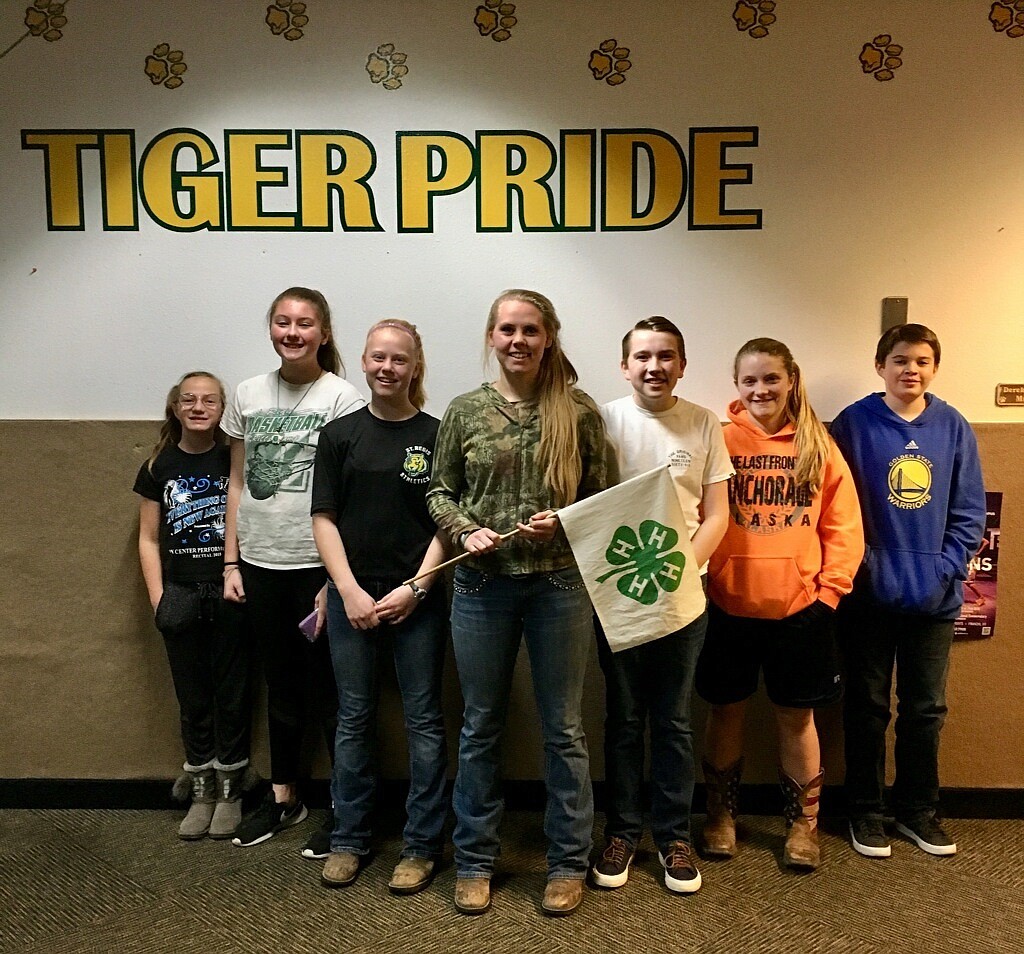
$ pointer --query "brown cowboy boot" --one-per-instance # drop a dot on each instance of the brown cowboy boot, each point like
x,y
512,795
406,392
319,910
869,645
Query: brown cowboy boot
x,y
801,810
723,789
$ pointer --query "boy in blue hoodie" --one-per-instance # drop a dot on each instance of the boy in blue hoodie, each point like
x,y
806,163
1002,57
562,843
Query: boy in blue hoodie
x,y
915,462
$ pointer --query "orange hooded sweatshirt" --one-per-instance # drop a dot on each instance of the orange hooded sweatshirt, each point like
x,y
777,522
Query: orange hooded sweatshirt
x,y
783,549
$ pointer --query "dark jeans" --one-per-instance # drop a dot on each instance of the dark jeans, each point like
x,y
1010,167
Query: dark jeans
x,y
653,682
417,645
208,649
873,641
299,674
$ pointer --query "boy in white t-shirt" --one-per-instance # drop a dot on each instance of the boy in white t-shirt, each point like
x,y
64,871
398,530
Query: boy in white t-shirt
x,y
654,681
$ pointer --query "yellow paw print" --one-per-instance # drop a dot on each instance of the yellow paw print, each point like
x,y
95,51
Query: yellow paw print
x,y
165,66
45,18
610,62
881,57
1008,18
387,67
754,18
495,19
287,18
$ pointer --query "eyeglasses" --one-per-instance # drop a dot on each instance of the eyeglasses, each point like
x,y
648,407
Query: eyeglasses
x,y
191,400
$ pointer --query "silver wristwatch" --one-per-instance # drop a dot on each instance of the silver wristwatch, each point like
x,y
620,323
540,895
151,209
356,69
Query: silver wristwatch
x,y
417,590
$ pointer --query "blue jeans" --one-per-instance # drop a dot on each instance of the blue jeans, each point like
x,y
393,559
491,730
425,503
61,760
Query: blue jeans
x,y
491,615
418,646
873,641
652,681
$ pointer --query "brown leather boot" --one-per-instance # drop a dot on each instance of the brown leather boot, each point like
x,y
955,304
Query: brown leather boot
x,y
723,789
801,810
562,896
472,895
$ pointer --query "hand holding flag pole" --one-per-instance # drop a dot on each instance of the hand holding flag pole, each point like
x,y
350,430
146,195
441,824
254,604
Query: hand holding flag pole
x,y
462,556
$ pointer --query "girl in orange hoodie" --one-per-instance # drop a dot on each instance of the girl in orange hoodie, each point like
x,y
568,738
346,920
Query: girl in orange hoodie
x,y
791,550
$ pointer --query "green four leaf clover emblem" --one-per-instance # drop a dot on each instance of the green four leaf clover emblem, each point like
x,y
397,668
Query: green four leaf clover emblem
x,y
646,561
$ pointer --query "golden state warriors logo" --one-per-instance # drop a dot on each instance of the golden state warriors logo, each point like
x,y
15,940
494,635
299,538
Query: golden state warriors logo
x,y
416,466
910,482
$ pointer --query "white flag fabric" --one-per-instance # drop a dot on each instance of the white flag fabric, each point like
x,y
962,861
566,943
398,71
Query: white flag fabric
x,y
634,551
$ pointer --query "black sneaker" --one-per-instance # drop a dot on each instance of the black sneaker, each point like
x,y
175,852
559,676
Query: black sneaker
x,y
319,845
868,837
681,874
612,868
267,820
925,832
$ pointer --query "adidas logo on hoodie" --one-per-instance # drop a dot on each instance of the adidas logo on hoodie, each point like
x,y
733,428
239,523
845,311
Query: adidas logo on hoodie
x,y
912,446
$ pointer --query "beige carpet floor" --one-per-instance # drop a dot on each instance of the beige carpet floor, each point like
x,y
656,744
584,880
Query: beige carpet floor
x,y
75,881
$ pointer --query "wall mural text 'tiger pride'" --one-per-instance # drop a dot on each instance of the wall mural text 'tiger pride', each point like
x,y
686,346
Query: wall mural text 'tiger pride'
x,y
317,180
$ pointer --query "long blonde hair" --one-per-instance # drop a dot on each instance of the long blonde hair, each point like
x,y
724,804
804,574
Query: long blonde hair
x,y
327,355
558,452
813,445
170,430
417,392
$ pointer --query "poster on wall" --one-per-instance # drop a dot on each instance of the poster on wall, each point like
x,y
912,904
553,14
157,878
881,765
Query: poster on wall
x,y
978,616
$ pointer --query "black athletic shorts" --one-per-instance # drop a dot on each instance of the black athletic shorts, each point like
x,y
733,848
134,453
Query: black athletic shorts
x,y
799,656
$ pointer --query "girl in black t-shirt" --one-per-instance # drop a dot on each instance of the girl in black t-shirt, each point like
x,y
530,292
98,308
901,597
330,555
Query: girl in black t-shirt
x,y
372,529
184,487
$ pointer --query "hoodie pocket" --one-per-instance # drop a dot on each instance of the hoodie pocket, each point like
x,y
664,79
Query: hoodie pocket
x,y
761,587
909,581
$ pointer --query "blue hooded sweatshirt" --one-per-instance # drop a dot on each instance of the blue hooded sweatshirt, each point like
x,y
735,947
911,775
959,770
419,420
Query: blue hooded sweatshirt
x,y
922,499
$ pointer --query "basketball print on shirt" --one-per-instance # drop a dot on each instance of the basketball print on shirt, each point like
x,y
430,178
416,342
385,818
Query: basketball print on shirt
x,y
280,448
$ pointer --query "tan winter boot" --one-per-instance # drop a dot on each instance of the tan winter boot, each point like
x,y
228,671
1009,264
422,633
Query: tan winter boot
x,y
801,810
723,789
201,785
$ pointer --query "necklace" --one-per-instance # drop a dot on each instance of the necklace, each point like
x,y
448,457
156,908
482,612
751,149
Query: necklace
x,y
302,397
282,418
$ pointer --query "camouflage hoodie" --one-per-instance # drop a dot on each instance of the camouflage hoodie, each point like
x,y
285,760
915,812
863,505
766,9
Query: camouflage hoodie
x,y
486,475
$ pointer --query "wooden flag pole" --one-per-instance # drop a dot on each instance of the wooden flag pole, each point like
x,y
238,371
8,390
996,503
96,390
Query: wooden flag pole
x,y
462,556
454,560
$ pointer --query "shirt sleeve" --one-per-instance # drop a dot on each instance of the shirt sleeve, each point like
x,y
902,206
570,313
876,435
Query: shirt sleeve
x,y
840,529
718,466
327,468
347,401
965,521
838,432
146,485
593,445
448,482
233,421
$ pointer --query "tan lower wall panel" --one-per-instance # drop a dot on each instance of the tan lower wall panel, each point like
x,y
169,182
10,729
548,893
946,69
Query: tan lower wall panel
x,y
85,690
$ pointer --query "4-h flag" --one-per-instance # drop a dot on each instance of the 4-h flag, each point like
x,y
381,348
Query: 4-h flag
x,y
634,551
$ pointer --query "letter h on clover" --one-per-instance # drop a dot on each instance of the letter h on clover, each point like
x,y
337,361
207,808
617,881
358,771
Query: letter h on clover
x,y
645,561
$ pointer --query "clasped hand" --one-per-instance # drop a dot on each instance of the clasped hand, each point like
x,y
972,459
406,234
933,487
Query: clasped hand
x,y
363,613
540,527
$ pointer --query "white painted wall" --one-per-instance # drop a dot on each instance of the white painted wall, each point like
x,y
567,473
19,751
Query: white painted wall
x,y
910,187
